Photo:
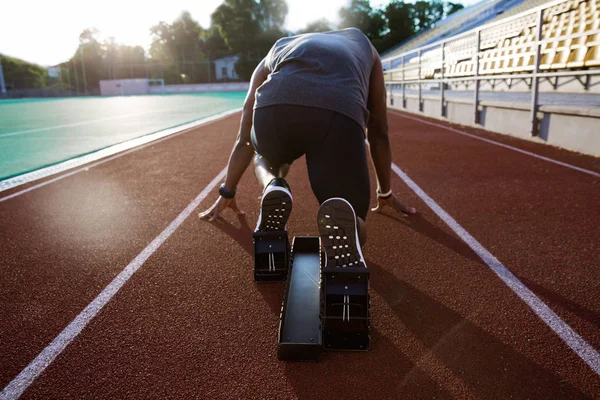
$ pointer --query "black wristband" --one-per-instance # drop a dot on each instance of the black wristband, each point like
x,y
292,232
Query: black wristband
x,y
226,193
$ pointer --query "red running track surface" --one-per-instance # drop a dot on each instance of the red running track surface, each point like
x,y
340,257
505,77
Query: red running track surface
x,y
192,322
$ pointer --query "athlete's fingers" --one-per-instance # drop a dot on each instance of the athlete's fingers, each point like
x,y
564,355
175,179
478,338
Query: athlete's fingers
x,y
207,213
401,207
394,204
220,206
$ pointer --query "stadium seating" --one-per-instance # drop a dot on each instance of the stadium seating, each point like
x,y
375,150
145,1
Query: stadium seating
x,y
459,22
570,39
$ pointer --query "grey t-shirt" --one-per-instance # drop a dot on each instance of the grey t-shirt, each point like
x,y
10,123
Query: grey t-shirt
x,y
325,70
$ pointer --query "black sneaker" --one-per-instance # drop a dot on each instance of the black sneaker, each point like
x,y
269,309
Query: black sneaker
x,y
275,207
339,234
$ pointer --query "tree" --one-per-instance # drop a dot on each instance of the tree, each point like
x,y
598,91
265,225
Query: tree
x,y
271,14
427,13
89,58
213,44
359,14
451,8
249,28
399,21
178,52
237,23
20,74
320,25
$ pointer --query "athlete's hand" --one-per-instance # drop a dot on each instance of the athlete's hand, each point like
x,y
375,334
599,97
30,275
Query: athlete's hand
x,y
394,203
221,204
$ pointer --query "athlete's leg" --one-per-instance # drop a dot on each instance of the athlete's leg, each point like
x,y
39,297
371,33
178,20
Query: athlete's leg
x,y
338,167
265,173
274,144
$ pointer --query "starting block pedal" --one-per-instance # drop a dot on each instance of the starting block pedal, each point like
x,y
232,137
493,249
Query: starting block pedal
x,y
346,308
300,334
271,256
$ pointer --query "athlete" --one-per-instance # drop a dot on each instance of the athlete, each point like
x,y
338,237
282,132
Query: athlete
x,y
319,95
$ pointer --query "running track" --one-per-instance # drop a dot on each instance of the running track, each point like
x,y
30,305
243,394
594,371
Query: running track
x,y
191,323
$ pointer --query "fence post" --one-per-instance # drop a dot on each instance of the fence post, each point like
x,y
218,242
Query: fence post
x,y
420,99
403,82
476,76
534,79
76,73
2,84
442,113
85,89
208,66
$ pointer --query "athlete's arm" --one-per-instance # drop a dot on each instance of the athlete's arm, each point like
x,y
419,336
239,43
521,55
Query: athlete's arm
x,y
242,152
379,141
377,127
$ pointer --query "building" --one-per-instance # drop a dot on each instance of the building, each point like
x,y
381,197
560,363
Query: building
x,y
54,71
225,68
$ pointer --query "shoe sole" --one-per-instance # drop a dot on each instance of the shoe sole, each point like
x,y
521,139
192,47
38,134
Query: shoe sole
x,y
275,209
337,226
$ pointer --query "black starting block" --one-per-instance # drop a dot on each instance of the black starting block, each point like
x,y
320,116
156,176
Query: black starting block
x,y
271,256
323,308
346,308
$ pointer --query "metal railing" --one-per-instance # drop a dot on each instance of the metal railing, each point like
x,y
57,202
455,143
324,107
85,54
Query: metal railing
x,y
431,64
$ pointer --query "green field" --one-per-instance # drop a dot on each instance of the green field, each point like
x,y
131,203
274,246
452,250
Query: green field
x,y
35,133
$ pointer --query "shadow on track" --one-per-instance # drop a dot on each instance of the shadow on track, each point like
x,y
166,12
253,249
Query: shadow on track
x,y
488,366
492,368
420,224
242,234
591,316
377,374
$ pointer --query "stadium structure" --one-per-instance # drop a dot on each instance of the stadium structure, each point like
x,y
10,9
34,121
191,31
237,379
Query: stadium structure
x,y
525,68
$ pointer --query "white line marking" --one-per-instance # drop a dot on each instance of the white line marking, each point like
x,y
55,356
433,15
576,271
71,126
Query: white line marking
x,y
26,377
582,348
133,144
90,121
586,171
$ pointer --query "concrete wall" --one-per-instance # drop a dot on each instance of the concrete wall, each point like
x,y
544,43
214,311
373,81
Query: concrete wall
x,y
204,87
117,87
576,129
565,84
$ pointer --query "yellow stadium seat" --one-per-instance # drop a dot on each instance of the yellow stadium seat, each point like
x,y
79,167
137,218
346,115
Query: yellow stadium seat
x,y
592,56
577,57
548,52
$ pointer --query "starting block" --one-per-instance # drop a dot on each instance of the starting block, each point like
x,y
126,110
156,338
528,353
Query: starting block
x,y
324,308
271,256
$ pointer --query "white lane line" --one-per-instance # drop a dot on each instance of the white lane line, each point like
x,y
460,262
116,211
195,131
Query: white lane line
x,y
585,171
26,377
582,348
90,121
134,145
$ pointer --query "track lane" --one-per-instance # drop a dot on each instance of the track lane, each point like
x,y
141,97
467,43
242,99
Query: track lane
x,y
192,323
224,349
536,217
65,242
543,150
443,325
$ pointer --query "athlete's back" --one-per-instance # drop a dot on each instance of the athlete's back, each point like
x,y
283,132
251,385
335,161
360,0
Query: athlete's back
x,y
324,70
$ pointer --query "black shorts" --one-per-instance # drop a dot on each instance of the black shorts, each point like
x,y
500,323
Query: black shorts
x,y
334,145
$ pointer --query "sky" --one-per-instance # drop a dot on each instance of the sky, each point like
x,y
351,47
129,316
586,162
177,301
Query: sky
x,y
47,31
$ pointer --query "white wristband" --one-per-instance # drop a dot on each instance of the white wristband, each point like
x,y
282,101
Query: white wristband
x,y
384,195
